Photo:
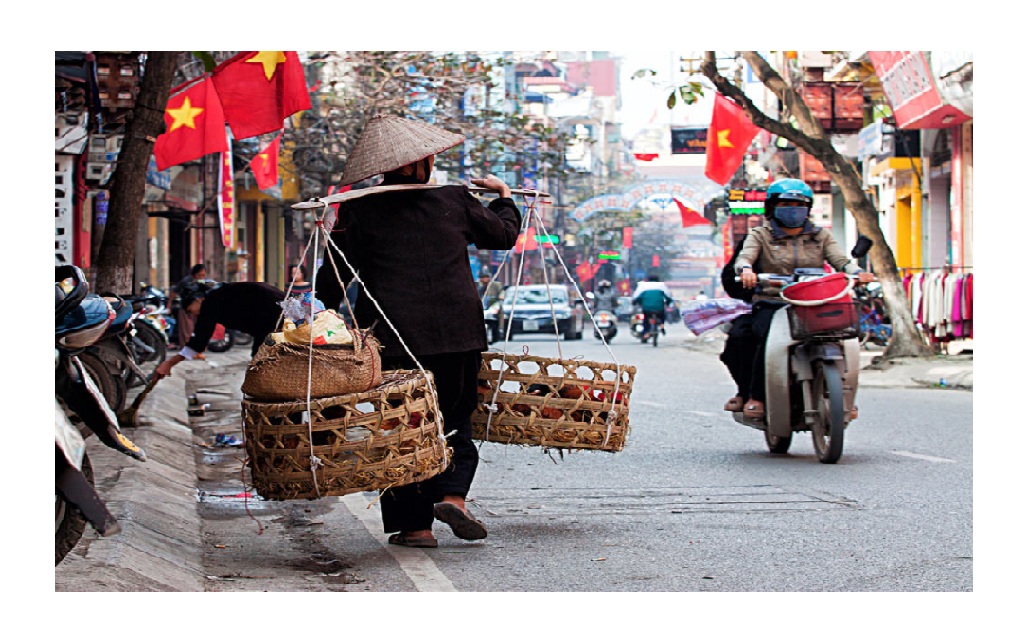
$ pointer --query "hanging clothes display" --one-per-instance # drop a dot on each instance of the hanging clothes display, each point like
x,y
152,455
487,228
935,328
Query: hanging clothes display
x,y
942,303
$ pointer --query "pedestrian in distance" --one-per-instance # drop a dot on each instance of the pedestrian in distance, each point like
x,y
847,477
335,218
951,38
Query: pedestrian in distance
x,y
410,248
250,307
299,282
185,320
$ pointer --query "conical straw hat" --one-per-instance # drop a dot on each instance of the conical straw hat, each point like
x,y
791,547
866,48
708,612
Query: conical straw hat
x,y
390,141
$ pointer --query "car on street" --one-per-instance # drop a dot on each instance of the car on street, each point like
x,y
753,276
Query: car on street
x,y
537,311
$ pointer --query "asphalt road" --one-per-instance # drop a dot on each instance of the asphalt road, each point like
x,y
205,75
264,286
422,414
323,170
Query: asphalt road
x,y
694,502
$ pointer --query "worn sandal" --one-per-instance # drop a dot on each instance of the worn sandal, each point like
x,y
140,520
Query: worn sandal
x,y
400,539
734,404
753,409
462,523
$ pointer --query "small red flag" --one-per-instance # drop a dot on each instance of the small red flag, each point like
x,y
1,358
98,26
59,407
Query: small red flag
x,y
260,89
728,137
195,126
645,156
691,217
264,164
586,271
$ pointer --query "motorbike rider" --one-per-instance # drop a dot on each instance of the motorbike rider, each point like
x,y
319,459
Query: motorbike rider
x,y
604,297
788,241
653,298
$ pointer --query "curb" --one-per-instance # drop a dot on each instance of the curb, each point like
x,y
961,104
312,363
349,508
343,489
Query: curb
x,y
160,546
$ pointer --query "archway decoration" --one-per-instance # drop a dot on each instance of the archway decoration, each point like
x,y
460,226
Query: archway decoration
x,y
692,195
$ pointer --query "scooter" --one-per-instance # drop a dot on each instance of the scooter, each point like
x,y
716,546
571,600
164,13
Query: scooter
x,y
81,319
639,329
812,363
606,325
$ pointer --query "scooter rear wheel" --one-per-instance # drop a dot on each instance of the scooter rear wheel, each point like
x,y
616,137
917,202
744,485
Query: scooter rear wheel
x,y
113,387
829,429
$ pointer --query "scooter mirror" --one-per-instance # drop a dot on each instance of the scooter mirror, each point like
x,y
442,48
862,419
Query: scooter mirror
x,y
863,244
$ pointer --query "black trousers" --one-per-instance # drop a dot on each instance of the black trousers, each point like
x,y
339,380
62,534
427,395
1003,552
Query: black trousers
x,y
410,507
743,354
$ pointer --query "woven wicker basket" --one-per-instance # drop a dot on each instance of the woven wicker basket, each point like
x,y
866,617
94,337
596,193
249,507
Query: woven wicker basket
x,y
366,441
281,371
574,409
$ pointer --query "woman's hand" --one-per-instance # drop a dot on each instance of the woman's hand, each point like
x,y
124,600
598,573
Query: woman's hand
x,y
866,277
749,278
493,183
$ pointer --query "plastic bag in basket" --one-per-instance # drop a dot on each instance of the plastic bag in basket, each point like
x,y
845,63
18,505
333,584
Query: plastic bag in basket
x,y
327,328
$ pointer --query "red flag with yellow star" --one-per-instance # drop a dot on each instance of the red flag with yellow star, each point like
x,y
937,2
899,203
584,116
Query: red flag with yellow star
x,y
728,137
259,90
195,126
264,164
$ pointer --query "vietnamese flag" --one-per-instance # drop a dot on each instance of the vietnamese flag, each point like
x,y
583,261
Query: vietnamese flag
x,y
195,126
728,137
259,90
264,164
691,217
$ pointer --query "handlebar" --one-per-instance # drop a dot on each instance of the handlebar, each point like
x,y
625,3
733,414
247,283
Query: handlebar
x,y
778,281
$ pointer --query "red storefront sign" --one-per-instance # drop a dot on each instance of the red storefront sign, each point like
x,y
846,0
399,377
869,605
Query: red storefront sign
x,y
908,84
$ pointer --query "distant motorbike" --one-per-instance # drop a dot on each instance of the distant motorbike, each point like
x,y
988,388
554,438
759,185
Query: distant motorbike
x,y
646,327
81,319
606,325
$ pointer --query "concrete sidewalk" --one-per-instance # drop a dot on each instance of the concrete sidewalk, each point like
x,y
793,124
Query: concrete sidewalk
x,y
156,502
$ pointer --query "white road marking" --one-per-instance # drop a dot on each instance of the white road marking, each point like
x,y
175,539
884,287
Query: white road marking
x,y
920,456
650,403
414,562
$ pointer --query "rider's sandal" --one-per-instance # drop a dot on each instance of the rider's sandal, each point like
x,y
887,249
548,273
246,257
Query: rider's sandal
x,y
734,404
753,409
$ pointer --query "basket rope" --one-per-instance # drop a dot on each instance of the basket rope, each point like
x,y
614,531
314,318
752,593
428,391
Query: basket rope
x,y
532,214
330,243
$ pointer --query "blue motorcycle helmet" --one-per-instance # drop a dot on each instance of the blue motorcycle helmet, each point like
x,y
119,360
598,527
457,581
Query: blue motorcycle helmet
x,y
792,190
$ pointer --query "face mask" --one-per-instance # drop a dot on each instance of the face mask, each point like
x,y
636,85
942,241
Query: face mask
x,y
791,217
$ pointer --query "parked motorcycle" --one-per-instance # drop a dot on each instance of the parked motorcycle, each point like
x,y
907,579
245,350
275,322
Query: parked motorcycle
x,y
875,326
811,359
81,319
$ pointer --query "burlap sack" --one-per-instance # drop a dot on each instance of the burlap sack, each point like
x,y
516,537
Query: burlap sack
x,y
281,371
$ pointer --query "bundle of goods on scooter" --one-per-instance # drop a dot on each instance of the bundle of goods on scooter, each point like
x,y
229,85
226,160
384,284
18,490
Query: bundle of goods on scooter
x,y
563,403
343,361
702,315
389,436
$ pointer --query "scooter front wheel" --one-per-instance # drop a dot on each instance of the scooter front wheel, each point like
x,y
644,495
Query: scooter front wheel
x,y
777,444
829,428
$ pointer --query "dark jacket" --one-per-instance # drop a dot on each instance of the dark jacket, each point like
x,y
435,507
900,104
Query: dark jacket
x,y
411,251
251,307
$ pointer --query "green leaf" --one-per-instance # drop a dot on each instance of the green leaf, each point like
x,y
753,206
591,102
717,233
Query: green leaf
x,y
208,63
671,100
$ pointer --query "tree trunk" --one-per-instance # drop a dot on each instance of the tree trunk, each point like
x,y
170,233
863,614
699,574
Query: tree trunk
x,y
116,258
907,340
